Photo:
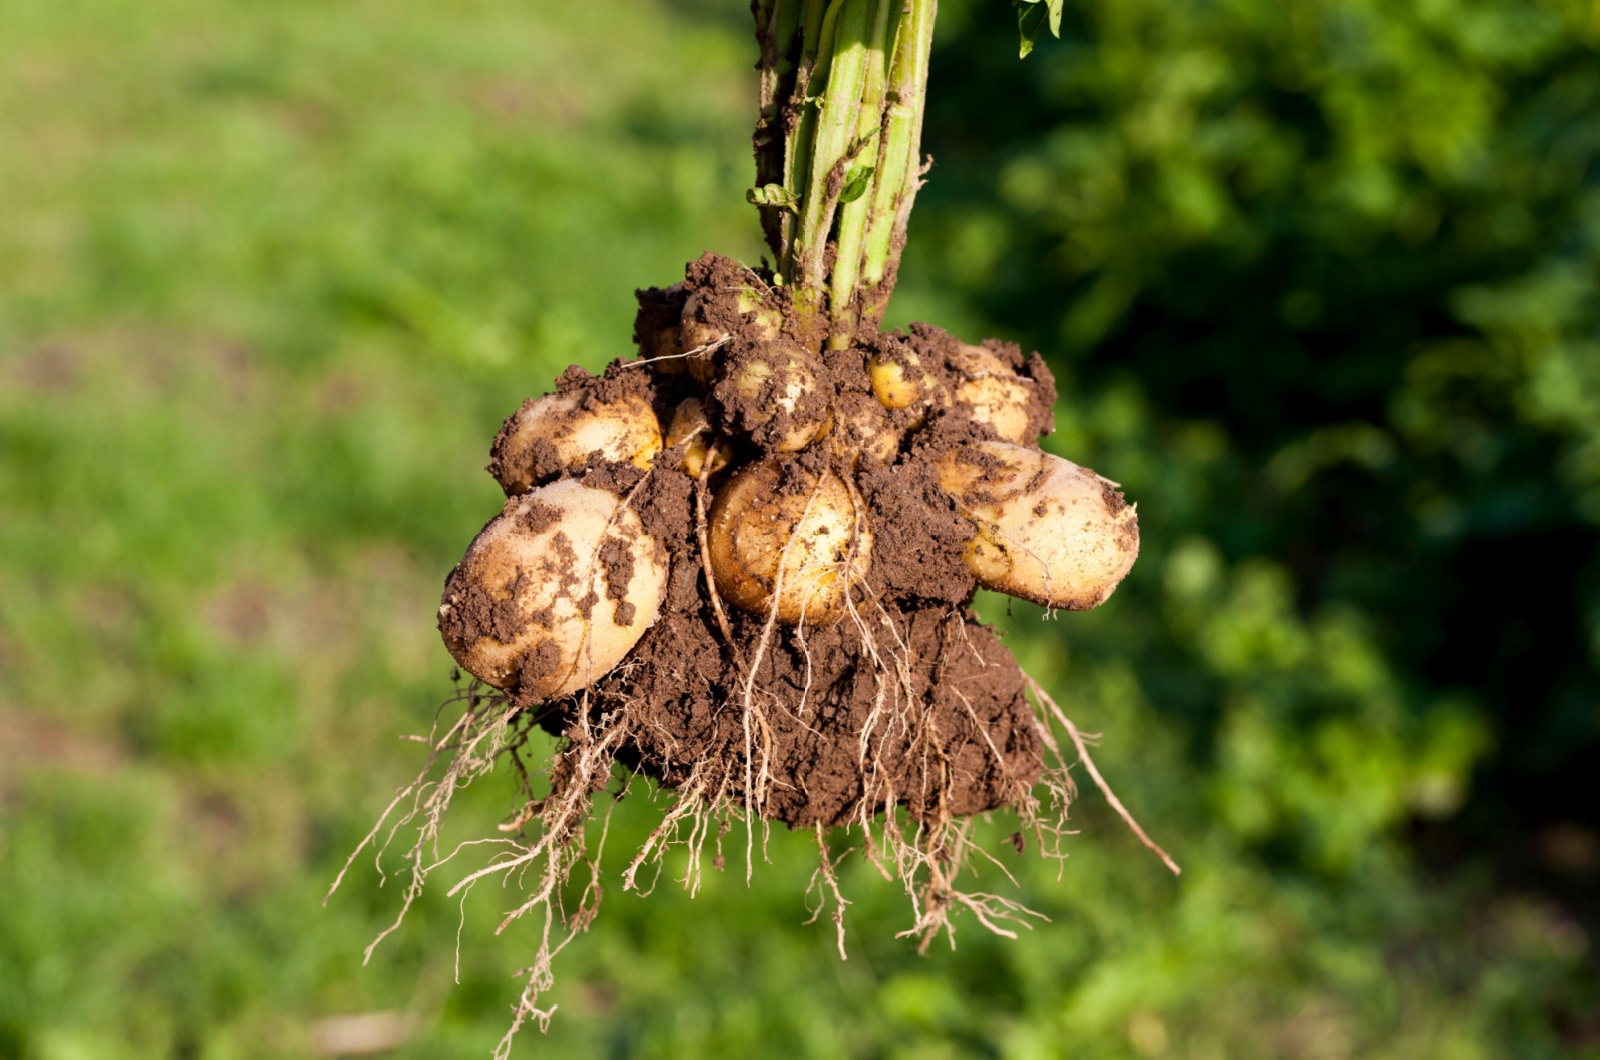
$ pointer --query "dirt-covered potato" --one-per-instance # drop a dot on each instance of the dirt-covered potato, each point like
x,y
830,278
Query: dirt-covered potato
x,y
862,428
658,328
1048,530
690,425
994,394
799,535
553,592
771,394
558,432
707,321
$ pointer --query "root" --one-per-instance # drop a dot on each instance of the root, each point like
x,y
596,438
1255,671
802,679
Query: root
x,y
755,786
473,743
716,344
487,730
540,976
826,882
904,687
692,805
1094,774
702,534
907,836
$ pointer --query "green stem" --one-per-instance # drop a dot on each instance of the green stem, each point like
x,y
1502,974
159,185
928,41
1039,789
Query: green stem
x,y
853,215
833,144
817,56
900,170
842,87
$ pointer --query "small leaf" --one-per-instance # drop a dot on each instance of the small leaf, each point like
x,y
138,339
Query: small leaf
x,y
855,184
772,195
1033,16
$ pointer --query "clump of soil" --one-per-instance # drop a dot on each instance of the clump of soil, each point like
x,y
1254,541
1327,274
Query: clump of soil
x,y
950,736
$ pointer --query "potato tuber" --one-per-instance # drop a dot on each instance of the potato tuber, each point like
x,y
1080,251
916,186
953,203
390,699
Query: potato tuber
x,y
553,592
994,394
801,536
1048,530
559,432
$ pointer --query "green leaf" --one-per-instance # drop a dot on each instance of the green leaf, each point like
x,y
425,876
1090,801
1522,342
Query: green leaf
x,y
1033,16
855,184
772,195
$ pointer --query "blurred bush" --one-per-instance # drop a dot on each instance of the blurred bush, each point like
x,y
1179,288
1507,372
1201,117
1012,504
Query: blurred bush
x,y
1329,270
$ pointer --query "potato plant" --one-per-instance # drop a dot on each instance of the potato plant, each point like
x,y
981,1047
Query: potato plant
x,y
763,606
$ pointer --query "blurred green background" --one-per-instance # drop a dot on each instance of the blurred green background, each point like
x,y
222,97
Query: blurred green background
x,y
1319,280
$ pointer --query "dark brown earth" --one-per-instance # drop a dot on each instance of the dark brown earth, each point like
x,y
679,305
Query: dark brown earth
x,y
908,700
954,737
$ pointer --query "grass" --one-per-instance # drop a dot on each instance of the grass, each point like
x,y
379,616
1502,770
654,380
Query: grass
x,y
270,276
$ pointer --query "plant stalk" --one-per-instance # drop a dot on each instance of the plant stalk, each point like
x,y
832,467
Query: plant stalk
x,y
843,83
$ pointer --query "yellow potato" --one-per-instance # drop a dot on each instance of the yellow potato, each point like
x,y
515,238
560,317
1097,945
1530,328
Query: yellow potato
x,y
806,547
696,332
689,424
554,592
663,349
900,381
1048,530
695,335
994,394
559,432
658,329
767,322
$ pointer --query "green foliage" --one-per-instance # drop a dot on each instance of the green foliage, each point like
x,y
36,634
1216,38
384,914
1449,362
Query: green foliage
x,y
1317,281
1352,246
1032,16
855,183
1320,278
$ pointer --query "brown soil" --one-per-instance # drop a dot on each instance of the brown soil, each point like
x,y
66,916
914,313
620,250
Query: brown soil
x,y
841,738
908,700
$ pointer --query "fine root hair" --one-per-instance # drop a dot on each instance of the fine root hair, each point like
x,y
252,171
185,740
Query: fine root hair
x,y
555,839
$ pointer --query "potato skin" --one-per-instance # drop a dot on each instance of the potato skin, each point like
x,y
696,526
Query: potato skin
x,y
1048,530
554,592
900,381
696,332
862,429
558,432
995,395
694,335
690,425
753,521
